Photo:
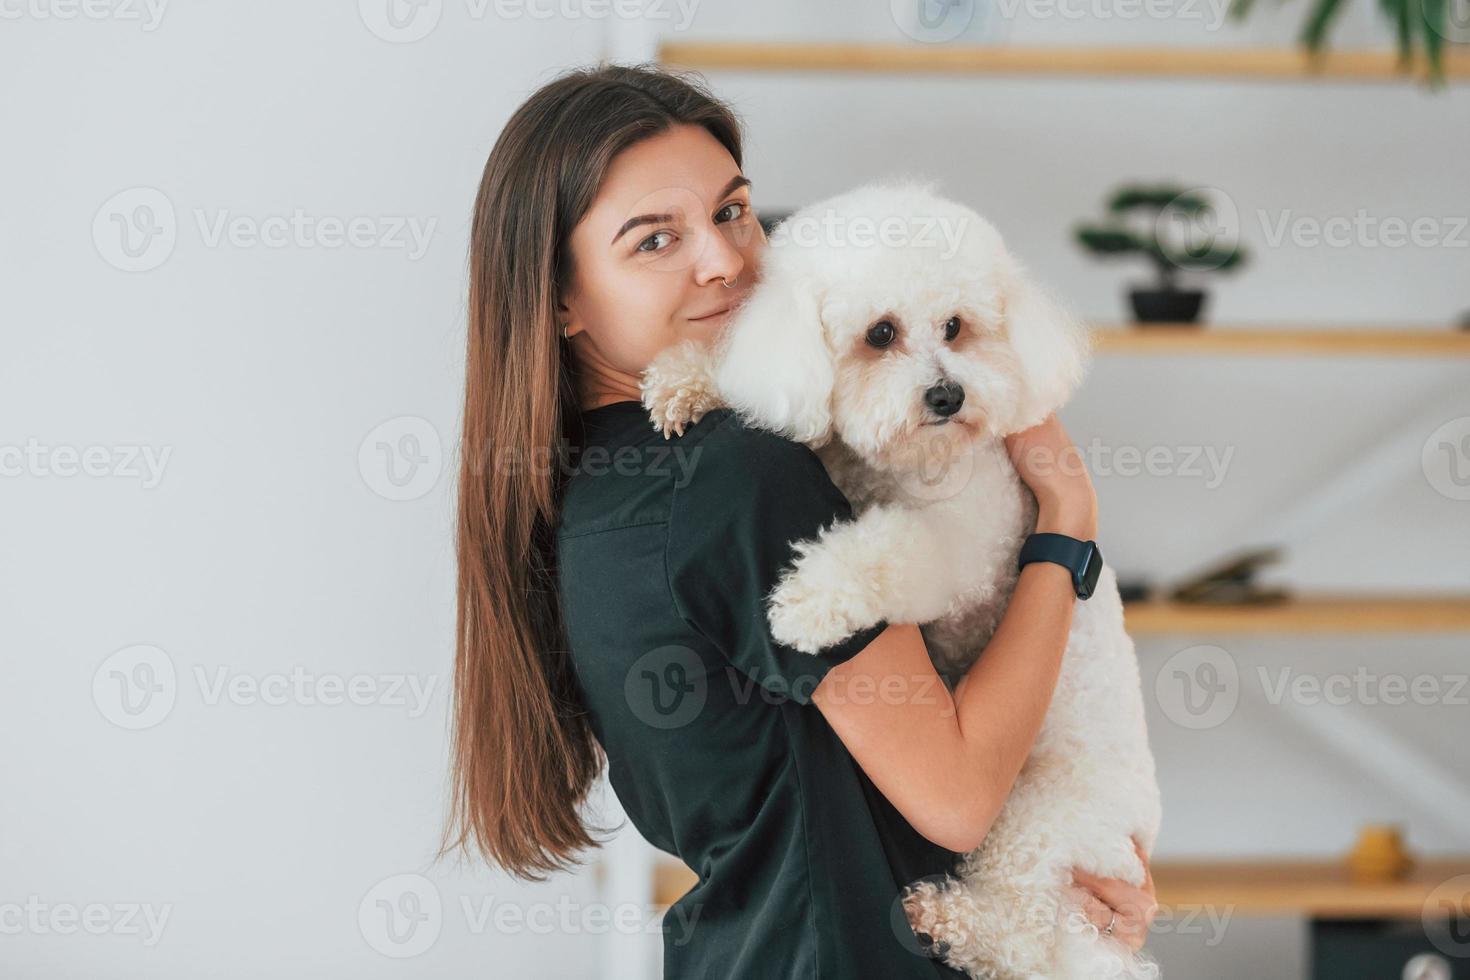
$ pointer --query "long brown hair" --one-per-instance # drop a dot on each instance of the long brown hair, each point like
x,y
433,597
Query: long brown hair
x,y
524,755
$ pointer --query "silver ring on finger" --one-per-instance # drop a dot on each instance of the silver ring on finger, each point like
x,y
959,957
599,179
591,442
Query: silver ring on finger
x,y
1109,930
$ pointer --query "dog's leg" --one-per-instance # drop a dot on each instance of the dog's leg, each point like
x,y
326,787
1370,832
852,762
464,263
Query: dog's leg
x,y
678,386
887,564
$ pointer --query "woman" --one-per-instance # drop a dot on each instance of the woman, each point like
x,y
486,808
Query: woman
x,y
610,582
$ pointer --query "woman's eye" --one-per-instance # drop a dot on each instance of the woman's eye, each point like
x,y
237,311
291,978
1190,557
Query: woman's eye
x,y
881,334
951,328
652,238
733,204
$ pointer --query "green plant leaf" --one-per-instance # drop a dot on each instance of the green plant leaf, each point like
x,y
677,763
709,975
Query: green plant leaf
x,y
1436,28
1405,11
1314,34
1109,241
1240,9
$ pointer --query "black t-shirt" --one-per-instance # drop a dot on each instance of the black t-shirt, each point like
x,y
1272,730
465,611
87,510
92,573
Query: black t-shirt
x,y
666,550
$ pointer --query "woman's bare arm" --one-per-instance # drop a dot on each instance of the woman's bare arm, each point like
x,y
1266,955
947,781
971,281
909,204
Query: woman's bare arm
x,y
947,762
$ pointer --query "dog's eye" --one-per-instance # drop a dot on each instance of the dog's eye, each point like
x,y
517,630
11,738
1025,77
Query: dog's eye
x,y
951,328
881,334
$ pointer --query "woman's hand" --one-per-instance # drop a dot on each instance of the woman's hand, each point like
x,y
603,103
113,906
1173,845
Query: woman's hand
x,y
1135,907
1053,468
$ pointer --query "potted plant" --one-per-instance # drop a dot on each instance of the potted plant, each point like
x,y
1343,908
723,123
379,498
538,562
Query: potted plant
x,y
1180,234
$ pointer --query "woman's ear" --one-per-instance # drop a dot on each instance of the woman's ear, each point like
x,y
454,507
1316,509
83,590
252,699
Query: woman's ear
x,y
774,366
1053,347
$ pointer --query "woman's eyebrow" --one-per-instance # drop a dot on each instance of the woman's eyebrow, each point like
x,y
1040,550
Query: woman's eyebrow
x,y
739,180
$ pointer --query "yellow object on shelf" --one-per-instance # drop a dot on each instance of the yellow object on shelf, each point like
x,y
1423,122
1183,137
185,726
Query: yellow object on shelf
x,y
1379,855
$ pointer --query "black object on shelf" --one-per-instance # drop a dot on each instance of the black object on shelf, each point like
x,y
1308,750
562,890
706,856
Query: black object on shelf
x,y
1232,582
1134,589
1166,305
1387,949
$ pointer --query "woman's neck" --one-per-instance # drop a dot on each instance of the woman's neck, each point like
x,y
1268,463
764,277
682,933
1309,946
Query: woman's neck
x,y
599,383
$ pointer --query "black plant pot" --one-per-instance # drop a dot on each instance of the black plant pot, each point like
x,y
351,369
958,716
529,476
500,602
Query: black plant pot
x,y
1166,305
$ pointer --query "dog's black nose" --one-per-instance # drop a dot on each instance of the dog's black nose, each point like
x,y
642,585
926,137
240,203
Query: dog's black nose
x,y
945,399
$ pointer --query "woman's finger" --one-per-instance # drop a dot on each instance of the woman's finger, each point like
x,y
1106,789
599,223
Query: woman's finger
x,y
1117,893
1126,930
1092,908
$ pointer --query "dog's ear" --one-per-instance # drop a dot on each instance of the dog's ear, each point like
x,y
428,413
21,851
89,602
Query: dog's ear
x,y
774,365
1054,347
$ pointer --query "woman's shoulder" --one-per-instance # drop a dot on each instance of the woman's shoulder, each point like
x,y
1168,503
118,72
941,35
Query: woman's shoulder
x,y
729,455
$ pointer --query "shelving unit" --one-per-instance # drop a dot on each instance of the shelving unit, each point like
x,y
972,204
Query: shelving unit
x,y
1184,338
1314,888
1343,614
1303,614
1247,64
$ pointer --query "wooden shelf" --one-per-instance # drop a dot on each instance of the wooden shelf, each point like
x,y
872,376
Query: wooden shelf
x,y
1312,888
1338,614
1226,340
1279,64
1317,888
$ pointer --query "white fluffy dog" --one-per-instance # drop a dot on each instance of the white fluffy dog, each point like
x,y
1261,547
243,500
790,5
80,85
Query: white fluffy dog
x,y
904,359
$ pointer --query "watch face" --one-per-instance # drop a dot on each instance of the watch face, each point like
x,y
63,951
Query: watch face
x,y
1092,570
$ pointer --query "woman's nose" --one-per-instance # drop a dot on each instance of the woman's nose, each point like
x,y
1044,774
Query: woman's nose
x,y
722,259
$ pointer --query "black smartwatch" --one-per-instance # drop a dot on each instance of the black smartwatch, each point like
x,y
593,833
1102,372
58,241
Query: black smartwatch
x,y
1080,557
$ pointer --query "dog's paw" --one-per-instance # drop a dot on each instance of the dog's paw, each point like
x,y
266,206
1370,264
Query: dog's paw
x,y
678,388
672,409
809,612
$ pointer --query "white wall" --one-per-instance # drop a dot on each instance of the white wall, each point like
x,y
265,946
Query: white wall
x,y
269,545
261,828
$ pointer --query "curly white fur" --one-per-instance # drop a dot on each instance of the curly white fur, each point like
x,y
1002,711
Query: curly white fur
x,y
940,517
